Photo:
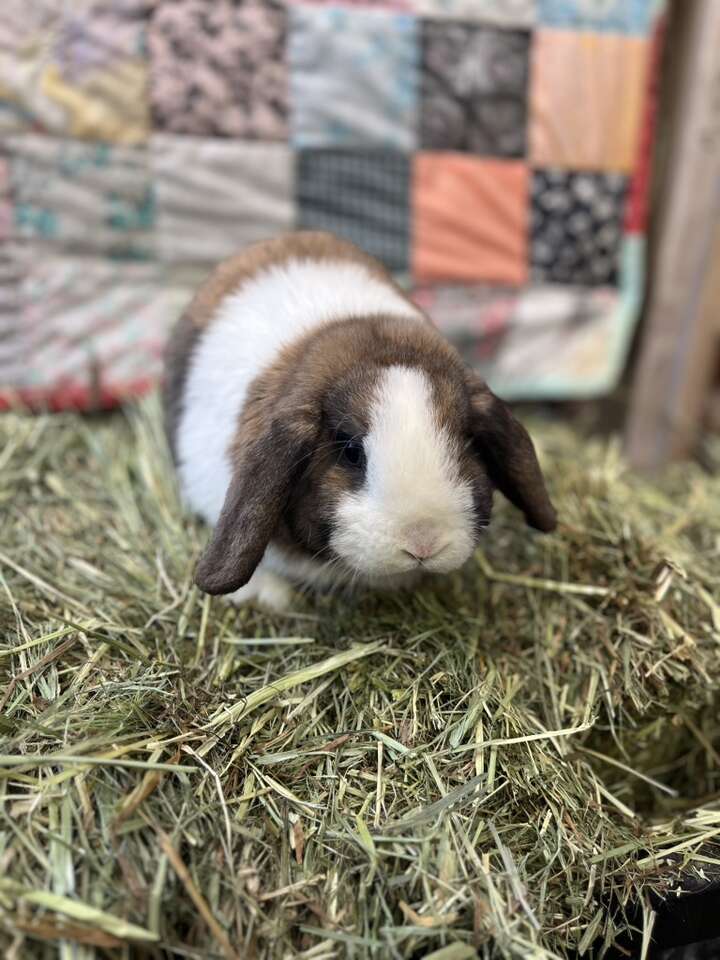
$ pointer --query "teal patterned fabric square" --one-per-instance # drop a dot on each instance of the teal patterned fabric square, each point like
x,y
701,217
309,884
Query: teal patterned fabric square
x,y
609,16
84,198
353,78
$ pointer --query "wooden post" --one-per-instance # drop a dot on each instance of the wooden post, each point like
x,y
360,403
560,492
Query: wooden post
x,y
681,331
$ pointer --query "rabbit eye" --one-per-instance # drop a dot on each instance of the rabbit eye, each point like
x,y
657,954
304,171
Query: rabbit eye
x,y
352,452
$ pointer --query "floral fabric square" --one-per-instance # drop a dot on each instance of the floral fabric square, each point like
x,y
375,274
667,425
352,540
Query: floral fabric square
x,y
470,219
361,195
474,88
614,16
354,78
215,196
76,70
592,122
218,69
577,227
86,198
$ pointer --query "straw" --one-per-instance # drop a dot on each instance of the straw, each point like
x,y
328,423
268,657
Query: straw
x,y
519,759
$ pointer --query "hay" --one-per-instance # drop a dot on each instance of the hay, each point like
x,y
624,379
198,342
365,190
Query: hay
x,y
512,759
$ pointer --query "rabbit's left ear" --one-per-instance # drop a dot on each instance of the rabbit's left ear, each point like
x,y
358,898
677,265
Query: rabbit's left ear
x,y
256,498
509,455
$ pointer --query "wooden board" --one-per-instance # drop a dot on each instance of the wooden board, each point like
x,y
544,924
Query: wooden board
x,y
681,331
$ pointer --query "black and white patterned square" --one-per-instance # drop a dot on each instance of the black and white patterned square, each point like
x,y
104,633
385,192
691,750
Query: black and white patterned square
x,y
474,88
362,195
577,226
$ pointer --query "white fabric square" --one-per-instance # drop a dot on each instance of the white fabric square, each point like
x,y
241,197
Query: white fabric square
x,y
216,196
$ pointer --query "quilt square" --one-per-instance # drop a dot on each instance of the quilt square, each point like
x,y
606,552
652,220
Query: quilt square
x,y
577,227
354,78
557,342
92,330
474,88
614,16
216,196
505,13
82,197
75,70
361,195
593,122
218,69
474,317
470,219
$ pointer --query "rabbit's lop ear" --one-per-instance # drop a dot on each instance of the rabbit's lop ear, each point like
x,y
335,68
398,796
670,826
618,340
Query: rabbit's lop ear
x,y
509,455
258,493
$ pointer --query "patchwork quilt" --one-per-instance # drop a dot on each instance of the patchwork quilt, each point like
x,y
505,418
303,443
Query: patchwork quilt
x,y
493,153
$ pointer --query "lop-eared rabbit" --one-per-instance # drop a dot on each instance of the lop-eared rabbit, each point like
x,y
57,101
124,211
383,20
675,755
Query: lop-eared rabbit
x,y
326,430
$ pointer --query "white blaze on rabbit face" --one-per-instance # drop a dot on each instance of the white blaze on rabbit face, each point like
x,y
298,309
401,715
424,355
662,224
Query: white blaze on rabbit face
x,y
414,508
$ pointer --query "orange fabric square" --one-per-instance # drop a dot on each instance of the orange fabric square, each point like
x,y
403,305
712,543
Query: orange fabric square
x,y
586,100
470,218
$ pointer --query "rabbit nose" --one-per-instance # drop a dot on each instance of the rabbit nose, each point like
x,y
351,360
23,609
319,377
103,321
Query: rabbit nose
x,y
422,541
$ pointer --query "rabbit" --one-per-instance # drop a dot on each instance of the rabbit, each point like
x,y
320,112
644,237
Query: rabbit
x,y
328,432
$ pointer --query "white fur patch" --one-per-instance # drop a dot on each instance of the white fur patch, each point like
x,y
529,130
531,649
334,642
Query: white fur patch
x,y
412,484
266,589
251,327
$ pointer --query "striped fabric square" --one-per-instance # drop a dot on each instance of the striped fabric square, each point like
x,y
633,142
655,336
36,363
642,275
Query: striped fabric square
x,y
215,196
592,122
353,78
362,195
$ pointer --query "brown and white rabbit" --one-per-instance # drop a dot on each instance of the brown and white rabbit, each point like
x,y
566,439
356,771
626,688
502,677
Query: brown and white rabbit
x,y
328,432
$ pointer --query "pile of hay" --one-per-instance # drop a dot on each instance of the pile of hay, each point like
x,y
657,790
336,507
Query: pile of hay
x,y
513,759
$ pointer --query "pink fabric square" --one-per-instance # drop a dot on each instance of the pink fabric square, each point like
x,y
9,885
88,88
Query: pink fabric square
x,y
470,219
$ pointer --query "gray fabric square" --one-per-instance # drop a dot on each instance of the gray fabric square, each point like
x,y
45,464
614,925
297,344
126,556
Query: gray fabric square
x,y
474,88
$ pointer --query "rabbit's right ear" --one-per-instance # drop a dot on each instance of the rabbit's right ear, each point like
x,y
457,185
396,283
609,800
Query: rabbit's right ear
x,y
258,493
508,452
